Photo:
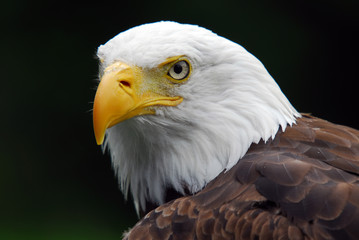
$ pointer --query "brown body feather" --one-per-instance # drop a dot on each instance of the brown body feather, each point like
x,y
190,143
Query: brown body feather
x,y
303,184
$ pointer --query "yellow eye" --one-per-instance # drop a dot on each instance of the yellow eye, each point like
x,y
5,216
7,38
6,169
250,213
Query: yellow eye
x,y
179,70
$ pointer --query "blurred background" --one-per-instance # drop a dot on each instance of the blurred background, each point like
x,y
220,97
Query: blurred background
x,y
55,183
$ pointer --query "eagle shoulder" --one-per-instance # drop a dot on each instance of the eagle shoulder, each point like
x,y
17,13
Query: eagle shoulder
x,y
303,184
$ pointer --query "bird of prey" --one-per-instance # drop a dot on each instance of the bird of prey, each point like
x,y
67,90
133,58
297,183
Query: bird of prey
x,y
209,147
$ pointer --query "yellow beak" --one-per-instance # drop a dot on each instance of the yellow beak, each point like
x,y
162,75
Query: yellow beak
x,y
122,94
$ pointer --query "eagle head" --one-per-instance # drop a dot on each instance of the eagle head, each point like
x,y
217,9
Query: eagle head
x,y
178,104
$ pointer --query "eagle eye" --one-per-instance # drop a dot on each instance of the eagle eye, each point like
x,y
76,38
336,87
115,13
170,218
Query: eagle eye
x,y
180,70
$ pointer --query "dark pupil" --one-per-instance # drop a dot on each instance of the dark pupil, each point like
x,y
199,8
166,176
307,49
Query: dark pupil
x,y
177,68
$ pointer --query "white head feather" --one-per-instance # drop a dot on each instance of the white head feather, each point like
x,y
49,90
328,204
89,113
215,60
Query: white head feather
x,y
230,102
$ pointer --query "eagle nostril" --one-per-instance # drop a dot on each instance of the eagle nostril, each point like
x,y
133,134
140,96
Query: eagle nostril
x,y
125,84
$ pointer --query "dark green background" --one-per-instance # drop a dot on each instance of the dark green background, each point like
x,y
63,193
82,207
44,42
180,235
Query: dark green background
x,y
54,181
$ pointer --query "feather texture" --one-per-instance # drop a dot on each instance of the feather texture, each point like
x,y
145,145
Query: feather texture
x,y
303,184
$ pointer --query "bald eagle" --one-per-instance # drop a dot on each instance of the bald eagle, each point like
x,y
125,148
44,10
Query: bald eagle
x,y
209,147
